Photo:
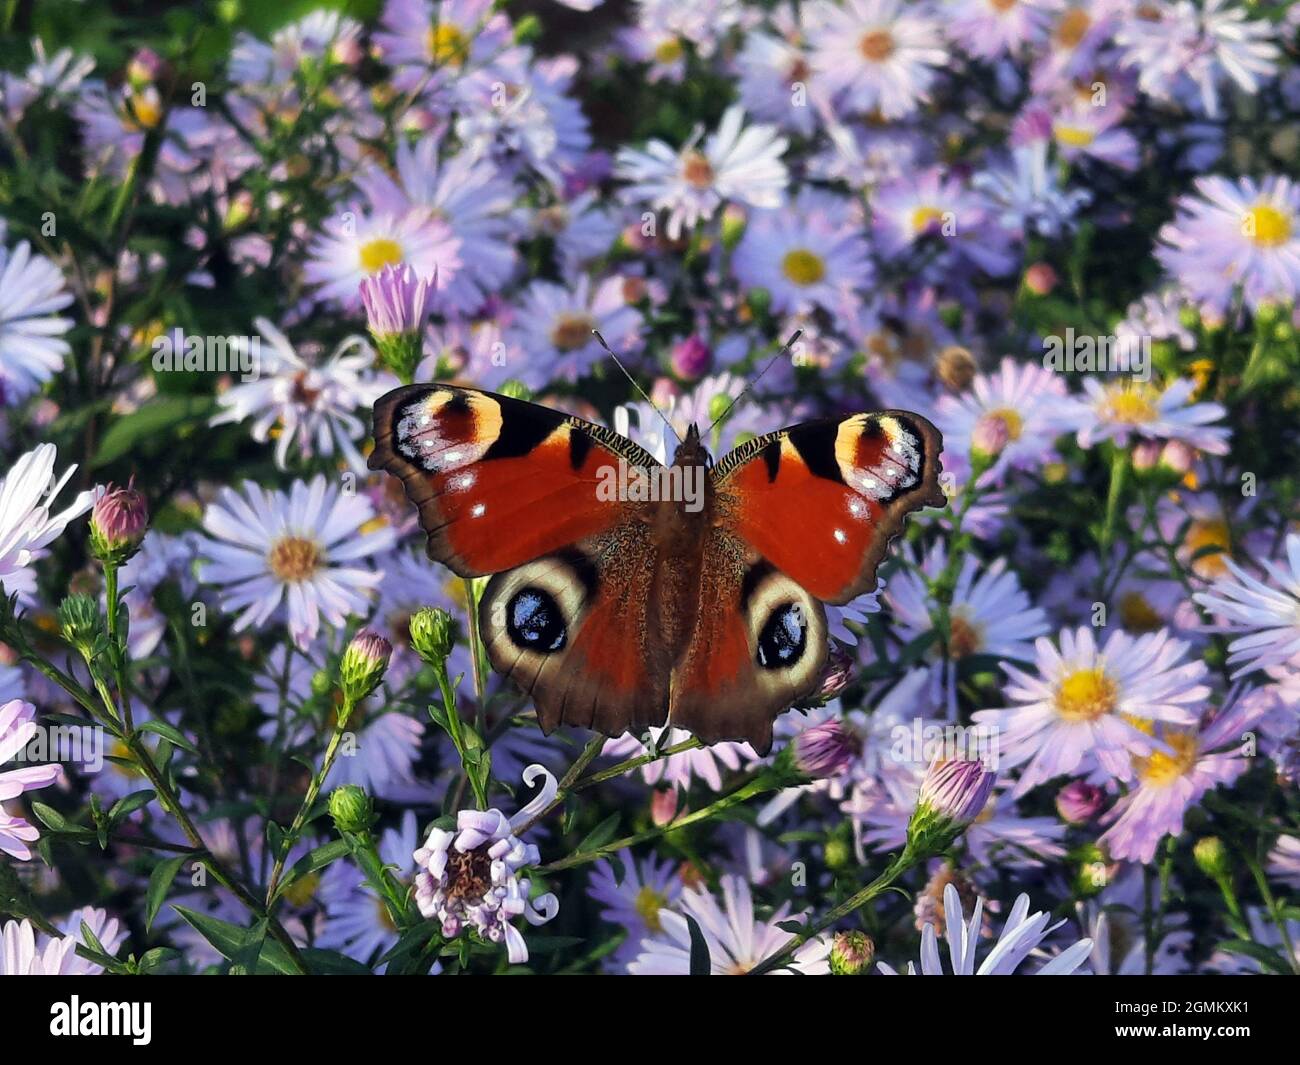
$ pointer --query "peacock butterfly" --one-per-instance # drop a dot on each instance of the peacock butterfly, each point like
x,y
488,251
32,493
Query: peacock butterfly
x,y
621,611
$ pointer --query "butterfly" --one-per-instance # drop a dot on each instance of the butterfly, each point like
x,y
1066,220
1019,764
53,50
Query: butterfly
x,y
693,596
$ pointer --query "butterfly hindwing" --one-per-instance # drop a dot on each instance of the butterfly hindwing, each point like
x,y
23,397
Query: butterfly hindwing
x,y
498,482
821,501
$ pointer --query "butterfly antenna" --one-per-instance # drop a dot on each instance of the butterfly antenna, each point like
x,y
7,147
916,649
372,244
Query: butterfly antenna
x,y
767,366
632,381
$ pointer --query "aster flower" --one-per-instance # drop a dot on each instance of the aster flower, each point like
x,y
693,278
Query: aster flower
x,y
1021,936
1027,193
55,77
32,348
17,727
737,164
636,901
1126,410
703,763
737,939
1266,616
26,952
291,555
435,43
306,402
772,68
875,55
27,527
358,244
1284,861
806,254
1083,707
1229,234
1171,781
991,29
470,880
555,322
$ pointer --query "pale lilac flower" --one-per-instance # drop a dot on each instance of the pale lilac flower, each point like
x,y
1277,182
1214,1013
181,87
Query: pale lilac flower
x,y
555,322
990,29
875,55
1084,707
1021,937
17,727
736,163
1266,617
292,555
737,940
27,527
32,348
679,770
26,952
469,879
1129,410
1284,861
309,403
56,77
396,301
637,901
777,83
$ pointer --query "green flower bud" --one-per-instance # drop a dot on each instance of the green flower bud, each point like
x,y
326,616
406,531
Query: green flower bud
x,y
321,683
351,809
1212,858
364,663
953,793
516,390
851,953
432,634
80,621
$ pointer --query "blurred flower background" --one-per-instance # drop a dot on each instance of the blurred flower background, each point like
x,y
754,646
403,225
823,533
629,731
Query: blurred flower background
x,y
1066,232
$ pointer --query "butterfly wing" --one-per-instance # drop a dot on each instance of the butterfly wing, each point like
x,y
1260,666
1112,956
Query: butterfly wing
x,y
801,517
513,489
498,482
822,501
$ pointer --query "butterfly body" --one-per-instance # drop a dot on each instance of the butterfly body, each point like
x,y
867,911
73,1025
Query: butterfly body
x,y
697,601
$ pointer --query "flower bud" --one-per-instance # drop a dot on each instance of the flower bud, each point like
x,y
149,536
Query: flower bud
x,y
1040,278
1212,858
1079,801
351,809
953,794
955,368
397,303
364,661
79,621
851,953
991,435
516,390
1146,455
1178,457
825,750
691,358
432,634
118,523
719,405
663,806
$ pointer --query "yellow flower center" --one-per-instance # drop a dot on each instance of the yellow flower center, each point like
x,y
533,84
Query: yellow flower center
x,y
145,113
924,217
1074,136
1266,225
302,890
1011,419
876,46
121,750
1086,695
1072,27
696,170
964,638
572,331
1162,769
1209,533
803,267
294,558
378,253
1133,403
1002,5
668,51
648,904
447,45
1136,614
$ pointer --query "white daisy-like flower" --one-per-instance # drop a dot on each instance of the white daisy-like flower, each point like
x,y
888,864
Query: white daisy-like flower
x,y
32,348
736,938
1088,707
776,78
554,326
309,405
1028,194
704,763
26,952
58,75
736,163
990,29
27,527
357,244
1127,410
1266,617
875,55
17,727
269,551
1021,936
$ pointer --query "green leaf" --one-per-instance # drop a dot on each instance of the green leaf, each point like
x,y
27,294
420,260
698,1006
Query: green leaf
x,y
51,818
231,942
160,880
1270,959
159,419
316,860
170,733
601,834
128,804
701,964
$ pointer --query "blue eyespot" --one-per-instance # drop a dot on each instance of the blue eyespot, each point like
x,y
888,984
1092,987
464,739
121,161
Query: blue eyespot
x,y
784,637
534,621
